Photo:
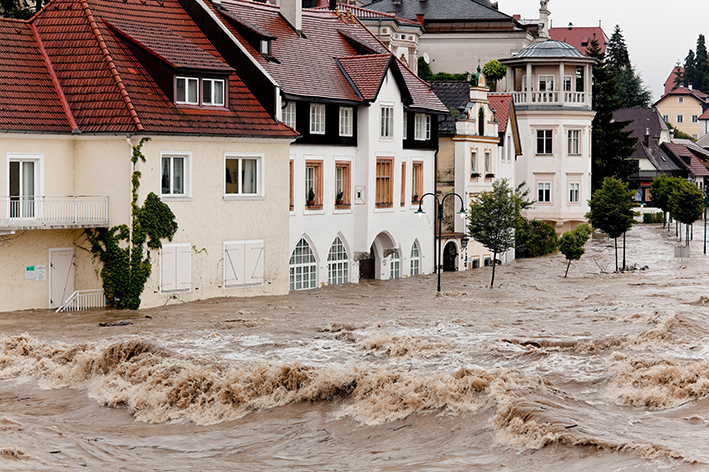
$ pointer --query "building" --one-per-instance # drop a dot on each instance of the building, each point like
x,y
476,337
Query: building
x,y
580,36
367,146
550,84
83,82
681,107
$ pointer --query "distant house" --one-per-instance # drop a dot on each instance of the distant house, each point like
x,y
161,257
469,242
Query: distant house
x,y
580,36
681,107
82,83
367,145
692,158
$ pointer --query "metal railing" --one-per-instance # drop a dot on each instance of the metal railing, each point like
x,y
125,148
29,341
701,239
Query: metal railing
x,y
83,300
37,212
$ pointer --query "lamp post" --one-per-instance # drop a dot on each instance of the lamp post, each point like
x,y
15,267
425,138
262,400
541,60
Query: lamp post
x,y
462,213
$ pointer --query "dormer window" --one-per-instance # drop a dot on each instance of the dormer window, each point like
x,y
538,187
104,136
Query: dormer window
x,y
265,47
213,91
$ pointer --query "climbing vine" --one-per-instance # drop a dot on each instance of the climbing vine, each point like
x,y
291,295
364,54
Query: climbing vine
x,y
121,249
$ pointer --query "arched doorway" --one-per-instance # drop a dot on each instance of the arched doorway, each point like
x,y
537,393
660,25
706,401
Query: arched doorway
x,y
366,265
450,257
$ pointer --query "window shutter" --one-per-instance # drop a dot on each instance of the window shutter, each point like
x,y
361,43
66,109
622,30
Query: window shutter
x,y
184,268
233,264
168,268
254,262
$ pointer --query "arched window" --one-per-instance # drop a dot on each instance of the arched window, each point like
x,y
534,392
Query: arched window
x,y
415,259
337,264
481,121
394,271
303,267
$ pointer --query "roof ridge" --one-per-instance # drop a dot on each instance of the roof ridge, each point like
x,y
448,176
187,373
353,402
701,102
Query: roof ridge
x,y
55,79
112,66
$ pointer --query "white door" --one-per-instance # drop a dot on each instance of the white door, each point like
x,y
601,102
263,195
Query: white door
x,y
61,276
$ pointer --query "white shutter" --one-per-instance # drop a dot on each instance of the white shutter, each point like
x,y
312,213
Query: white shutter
x,y
168,268
184,267
254,262
233,264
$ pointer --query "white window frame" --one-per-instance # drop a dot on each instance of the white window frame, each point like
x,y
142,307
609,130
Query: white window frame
x,y
546,188
488,162
680,99
548,81
406,125
182,260
415,260
473,161
296,269
574,192
695,118
265,47
574,142
338,269
186,100
240,194
545,151
187,172
422,127
386,122
346,121
317,118
666,118
680,118
216,101
38,183
567,83
289,115
395,265
243,263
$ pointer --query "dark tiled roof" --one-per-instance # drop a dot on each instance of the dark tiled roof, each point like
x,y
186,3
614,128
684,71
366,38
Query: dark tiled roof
x,y
550,49
657,157
440,9
501,105
641,119
29,100
109,90
367,72
454,94
580,37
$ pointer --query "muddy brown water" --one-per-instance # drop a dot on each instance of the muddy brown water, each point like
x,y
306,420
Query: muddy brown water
x,y
597,371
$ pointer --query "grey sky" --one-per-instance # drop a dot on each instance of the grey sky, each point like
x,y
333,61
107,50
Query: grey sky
x,y
657,33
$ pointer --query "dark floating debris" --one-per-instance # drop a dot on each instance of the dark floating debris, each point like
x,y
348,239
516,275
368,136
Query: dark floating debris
x,y
118,323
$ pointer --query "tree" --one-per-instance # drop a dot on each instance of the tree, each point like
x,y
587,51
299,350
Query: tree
x,y
632,93
492,219
537,238
611,145
494,71
611,210
686,204
571,243
679,75
617,54
425,72
660,191
126,266
690,69
701,65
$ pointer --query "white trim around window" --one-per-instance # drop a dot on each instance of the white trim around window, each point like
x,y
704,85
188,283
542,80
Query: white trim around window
x,y
346,121
575,192
244,176
213,92
175,174
422,127
317,118
573,142
543,192
289,115
36,182
187,90
386,121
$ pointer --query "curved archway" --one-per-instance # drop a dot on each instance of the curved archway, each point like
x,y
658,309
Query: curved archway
x,y
338,263
450,257
303,266
415,259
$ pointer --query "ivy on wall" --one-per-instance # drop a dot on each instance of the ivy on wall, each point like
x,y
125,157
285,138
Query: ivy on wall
x,y
121,249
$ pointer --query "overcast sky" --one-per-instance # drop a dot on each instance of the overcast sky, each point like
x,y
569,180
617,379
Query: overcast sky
x,y
657,33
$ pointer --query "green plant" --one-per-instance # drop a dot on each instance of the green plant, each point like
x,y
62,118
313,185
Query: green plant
x,y
339,198
571,243
651,218
125,264
537,238
493,72
311,195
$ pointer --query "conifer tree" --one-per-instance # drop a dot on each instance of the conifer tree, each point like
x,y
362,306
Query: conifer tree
x,y
632,93
690,69
701,66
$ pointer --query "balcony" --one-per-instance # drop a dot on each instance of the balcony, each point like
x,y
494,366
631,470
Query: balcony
x,y
34,212
568,99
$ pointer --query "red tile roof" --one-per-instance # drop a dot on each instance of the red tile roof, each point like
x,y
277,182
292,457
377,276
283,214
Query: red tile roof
x,y
698,94
705,115
501,105
670,82
108,89
580,36
367,72
687,158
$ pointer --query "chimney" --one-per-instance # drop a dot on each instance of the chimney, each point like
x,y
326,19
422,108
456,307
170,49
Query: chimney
x,y
544,19
648,138
690,86
419,19
292,11
516,16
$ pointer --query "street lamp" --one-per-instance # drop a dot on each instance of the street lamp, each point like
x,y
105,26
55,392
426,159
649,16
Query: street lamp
x,y
462,213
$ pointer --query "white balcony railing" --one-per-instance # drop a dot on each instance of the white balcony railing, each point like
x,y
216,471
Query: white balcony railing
x,y
83,300
34,212
552,98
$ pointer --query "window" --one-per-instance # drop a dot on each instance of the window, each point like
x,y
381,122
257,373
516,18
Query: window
x,y
579,79
386,122
175,269
415,259
289,115
422,127
384,184
488,163
546,83
406,125
573,141
574,192
242,176
187,91
265,47
402,200
213,92
544,192
303,267
524,83
394,266
544,141
174,172
474,163
337,264
313,184
416,181
567,83
680,99
317,118
666,118
695,118
292,195
346,123
243,263
24,178
342,184
481,121
680,118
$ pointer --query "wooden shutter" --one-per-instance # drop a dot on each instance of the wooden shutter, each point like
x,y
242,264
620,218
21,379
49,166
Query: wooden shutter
x,y
184,267
168,268
233,264
254,262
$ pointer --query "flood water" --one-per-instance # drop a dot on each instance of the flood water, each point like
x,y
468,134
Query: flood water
x,y
598,371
